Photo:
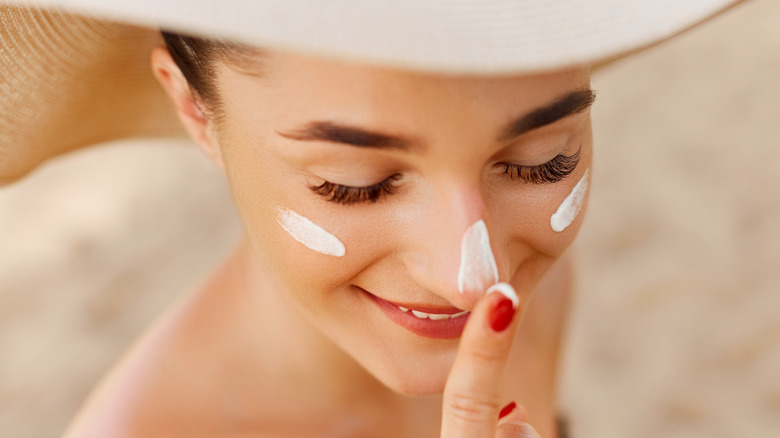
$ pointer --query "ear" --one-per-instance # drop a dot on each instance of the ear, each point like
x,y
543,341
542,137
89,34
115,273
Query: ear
x,y
184,100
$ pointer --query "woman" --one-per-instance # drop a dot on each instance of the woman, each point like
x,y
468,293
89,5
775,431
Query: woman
x,y
396,223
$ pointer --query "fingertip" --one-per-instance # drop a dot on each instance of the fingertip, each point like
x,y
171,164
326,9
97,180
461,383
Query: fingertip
x,y
506,290
512,412
522,414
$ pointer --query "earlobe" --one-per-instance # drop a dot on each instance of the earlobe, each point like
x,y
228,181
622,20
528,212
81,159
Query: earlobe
x,y
196,122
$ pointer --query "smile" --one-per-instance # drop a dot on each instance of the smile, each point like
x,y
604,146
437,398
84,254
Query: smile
x,y
438,322
434,316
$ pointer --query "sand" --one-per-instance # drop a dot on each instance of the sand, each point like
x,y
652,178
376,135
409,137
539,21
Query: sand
x,y
676,328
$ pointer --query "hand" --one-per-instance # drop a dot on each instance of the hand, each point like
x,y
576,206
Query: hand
x,y
472,394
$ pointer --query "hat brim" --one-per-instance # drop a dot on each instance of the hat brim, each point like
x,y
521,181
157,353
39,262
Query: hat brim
x,y
464,36
76,72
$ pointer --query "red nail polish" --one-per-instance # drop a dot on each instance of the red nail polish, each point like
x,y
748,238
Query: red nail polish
x,y
506,410
500,316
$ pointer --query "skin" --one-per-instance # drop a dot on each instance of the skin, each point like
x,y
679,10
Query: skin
x,y
288,332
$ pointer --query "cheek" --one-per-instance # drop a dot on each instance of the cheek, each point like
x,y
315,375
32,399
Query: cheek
x,y
303,253
527,219
571,206
309,234
307,250
280,227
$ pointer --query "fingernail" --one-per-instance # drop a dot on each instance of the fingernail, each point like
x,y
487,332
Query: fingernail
x,y
500,316
506,410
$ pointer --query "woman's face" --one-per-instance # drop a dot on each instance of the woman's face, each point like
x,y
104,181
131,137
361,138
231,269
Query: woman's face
x,y
396,166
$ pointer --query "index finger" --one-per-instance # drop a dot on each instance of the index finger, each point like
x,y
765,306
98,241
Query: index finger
x,y
472,395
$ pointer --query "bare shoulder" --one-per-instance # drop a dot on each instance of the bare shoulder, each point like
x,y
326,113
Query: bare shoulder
x,y
173,381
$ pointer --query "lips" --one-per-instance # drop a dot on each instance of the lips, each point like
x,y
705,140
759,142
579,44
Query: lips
x,y
429,321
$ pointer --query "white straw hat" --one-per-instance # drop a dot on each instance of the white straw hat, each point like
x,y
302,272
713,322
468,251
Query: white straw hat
x,y
76,72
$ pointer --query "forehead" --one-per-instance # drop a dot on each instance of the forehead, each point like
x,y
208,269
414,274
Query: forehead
x,y
297,85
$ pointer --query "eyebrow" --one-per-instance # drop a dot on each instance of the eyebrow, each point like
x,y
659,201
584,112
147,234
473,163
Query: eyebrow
x,y
569,104
565,106
335,133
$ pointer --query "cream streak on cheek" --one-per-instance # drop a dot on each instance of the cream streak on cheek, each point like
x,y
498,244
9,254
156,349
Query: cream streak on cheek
x,y
571,206
308,233
478,269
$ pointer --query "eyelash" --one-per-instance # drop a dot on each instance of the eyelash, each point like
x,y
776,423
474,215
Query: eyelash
x,y
351,195
550,172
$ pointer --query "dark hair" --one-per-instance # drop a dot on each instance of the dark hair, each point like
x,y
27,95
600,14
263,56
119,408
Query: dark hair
x,y
198,58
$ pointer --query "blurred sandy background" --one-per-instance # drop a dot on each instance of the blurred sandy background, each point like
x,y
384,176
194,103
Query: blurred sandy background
x,y
676,328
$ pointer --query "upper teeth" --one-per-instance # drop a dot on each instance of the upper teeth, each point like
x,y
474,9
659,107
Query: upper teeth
x,y
433,316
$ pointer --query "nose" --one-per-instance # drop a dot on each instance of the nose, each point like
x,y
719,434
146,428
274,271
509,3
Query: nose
x,y
451,254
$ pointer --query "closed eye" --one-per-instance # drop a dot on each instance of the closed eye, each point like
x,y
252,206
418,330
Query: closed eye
x,y
342,194
550,172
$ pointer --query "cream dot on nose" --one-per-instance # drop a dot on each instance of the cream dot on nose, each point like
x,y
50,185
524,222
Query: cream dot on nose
x,y
478,269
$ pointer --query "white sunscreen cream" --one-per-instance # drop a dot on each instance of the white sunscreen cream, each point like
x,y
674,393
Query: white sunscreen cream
x,y
478,268
507,290
571,206
308,233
